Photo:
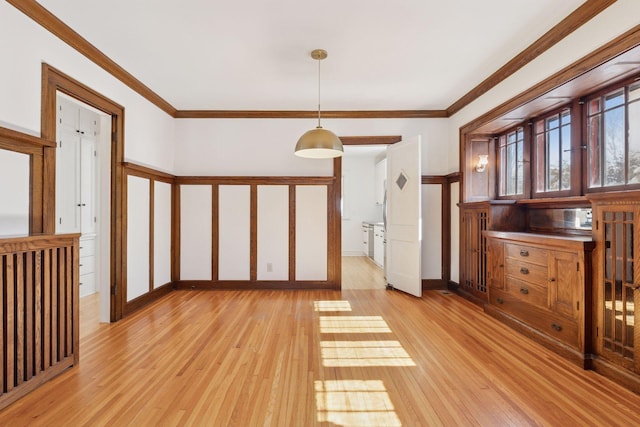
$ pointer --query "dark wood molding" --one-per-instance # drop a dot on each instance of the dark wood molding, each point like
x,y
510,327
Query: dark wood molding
x,y
175,233
249,285
370,140
253,233
254,180
23,138
435,179
55,26
54,80
292,233
148,298
575,20
303,114
434,284
152,195
453,177
215,231
147,172
614,48
335,224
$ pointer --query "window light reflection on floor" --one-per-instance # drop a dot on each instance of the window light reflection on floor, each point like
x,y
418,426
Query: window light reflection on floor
x,y
353,324
337,305
364,353
355,403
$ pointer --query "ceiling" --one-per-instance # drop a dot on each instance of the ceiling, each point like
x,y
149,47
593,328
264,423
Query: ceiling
x,y
255,55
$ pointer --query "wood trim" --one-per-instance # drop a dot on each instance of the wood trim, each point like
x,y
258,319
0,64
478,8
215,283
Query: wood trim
x,y
55,26
253,233
434,179
292,233
334,253
616,47
249,285
175,232
434,284
254,180
215,231
147,172
148,298
575,20
370,140
21,139
453,177
304,114
54,80
152,218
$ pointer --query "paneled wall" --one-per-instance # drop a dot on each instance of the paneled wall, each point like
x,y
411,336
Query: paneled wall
x,y
148,238
14,193
268,232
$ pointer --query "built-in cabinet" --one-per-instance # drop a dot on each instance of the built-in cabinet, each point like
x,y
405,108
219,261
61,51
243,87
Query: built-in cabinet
x,y
476,218
617,282
76,183
378,244
541,284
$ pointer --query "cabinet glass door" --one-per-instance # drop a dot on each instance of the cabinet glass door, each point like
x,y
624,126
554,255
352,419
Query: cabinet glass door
x,y
619,294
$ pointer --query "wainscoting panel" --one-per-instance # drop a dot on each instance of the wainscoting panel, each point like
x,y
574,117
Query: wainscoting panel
x,y
138,201
161,233
311,232
195,232
431,231
14,209
273,232
234,228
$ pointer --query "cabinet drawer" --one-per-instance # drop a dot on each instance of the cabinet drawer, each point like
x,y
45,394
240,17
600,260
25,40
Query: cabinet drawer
x,y
87,284
87,264
527,253
538,318
528,272
529,292
87,247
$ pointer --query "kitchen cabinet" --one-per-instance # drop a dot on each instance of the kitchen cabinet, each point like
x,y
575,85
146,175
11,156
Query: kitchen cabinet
x,y
367,239
378,244
541,285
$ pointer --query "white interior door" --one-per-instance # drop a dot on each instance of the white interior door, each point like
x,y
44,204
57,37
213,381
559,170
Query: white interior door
x,y
404,216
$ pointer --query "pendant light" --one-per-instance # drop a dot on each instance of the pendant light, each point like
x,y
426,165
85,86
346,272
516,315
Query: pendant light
x,y
319,143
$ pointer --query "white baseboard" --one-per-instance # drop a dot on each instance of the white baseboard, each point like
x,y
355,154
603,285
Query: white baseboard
x,y
353,253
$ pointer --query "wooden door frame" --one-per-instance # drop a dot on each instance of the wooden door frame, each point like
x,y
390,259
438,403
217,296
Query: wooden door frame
x,y
54,81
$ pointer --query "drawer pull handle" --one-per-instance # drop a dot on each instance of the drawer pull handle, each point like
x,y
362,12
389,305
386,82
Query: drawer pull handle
x,y
524,291
499,300
524,270
524,252
557,327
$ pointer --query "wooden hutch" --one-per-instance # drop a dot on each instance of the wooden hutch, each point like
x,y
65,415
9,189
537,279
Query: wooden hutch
x,y
550,213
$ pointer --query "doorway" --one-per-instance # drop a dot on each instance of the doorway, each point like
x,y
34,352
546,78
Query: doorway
x,y
82,196
363,191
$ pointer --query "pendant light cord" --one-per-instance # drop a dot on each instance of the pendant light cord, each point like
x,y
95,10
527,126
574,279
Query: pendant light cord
x,y
319,93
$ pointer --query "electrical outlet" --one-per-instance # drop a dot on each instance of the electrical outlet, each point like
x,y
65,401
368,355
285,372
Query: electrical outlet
x,y
269,267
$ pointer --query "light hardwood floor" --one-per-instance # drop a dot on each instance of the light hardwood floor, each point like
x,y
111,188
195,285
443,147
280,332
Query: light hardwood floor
x,y
360,272
304,358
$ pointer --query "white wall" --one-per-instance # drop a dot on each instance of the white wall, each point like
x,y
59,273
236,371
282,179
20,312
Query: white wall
x,y
234,232
138,197
14,193
195,232
161,234
358,195
431,231
273,232
149,132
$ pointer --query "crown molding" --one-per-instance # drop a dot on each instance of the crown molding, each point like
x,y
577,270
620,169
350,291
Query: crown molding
x,y
53,24
575,20
301,114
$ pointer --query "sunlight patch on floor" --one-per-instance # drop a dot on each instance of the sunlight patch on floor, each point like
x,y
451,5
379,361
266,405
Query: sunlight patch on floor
x,y
353,324
355,403
338,305
364,353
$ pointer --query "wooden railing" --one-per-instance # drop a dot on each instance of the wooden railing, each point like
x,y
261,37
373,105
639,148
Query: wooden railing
x,y
39,311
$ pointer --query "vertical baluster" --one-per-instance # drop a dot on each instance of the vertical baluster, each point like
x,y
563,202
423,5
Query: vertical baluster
x,y
61,303
49,262
37,320
3,310
55,273
68,313
10,292
19,318
28,310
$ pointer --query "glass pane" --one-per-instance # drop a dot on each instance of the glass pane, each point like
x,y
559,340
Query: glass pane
x,y
629,253
618,309
553,122
634,92
634,141
608,252
565,162
503,170
613,100
553,160
511,169
520,167
593,152
540,160
608,309
614,158
629,318
565,117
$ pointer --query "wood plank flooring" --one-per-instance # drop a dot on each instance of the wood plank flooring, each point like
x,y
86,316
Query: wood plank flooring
x,y
325,358
360,272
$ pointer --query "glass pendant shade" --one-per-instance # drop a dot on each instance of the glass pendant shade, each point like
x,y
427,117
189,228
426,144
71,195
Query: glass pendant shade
x,y
319,143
